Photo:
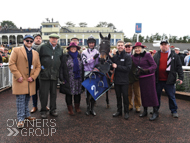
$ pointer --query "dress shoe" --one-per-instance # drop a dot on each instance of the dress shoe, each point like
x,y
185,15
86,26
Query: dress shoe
x,y
138,110
34,109
117,114
126,117
130,109
54,113
175,115
47,108
20,124
44,116
93,112
30,118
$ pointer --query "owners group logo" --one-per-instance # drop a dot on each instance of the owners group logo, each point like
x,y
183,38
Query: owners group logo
x,y
40,127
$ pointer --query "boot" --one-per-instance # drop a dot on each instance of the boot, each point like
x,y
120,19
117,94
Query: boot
x,y
92,107
144,112
70,110
88,106
77,109
155,114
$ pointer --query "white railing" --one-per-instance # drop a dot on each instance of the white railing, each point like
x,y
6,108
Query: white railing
x,y
5,76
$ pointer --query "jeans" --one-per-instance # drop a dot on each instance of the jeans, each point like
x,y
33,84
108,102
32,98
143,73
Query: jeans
x,y
170,91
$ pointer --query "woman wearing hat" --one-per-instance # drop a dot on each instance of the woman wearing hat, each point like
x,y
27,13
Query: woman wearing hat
x,y
146,68
71,77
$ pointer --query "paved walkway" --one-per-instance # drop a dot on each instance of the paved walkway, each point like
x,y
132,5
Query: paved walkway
x,y
102,128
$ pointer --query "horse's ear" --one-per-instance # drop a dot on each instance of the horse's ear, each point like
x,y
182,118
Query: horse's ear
x,y
109,36
101,36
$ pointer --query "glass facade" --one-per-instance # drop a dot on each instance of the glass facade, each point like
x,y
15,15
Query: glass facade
x,y
63,42
47,26
80,42
111,42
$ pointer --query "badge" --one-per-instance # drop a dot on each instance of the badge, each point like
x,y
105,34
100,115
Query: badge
x,y
51,57
31,66
122,60
42,67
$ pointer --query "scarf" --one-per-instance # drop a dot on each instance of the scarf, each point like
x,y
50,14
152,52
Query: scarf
x,y
76,69
34,46
169,61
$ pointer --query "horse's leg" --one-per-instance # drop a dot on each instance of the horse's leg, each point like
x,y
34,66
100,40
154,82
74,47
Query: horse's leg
x,y
107,100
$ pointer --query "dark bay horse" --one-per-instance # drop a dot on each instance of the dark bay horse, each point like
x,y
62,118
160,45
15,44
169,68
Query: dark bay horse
x,y
105,62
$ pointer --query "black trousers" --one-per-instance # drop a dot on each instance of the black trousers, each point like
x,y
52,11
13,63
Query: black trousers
x,y
69,98
47,86
122,90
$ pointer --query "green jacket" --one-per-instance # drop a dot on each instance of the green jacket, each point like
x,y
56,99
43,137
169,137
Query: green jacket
x,y
50,61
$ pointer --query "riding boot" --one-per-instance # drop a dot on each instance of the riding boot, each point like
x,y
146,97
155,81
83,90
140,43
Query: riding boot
x,y
144,112
70,110
77,109
88,106
92,107
155,114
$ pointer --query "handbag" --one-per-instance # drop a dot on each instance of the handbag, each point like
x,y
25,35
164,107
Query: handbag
x,y
137,70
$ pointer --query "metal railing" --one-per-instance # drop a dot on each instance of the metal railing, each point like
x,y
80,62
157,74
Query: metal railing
x,y
5,76
185,86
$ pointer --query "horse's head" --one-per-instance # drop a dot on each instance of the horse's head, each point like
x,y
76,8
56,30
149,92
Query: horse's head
x,y
104,47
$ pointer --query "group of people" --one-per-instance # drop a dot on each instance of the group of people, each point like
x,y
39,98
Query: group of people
x,y
38,66
4,55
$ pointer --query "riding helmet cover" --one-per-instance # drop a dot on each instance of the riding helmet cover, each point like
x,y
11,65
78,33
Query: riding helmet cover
x,y
91,40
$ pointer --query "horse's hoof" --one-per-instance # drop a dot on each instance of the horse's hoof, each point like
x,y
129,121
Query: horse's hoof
x,y
108,106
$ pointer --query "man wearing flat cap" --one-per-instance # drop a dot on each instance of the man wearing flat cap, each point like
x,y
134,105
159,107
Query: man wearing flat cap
x,y
133,83
25,66
50,57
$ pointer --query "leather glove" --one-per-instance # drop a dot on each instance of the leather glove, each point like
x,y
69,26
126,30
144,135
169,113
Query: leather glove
x,y
145,71
95,56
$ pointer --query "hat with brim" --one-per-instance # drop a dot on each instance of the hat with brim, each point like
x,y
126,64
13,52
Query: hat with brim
x,y
53,35
28,36
72,44
74,38
138,44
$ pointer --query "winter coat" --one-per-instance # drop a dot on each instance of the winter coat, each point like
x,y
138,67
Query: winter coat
x,y
50,61
176,67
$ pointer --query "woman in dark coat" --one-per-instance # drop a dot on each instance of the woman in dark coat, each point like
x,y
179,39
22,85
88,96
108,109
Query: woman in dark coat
x,y
71,77
146,66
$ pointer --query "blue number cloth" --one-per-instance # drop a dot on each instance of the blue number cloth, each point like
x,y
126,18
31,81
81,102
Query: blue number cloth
x,y
96,83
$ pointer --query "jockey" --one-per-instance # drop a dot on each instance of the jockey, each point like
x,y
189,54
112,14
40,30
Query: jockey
x,y
90,58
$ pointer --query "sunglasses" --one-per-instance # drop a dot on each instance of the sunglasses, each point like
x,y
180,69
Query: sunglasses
x,y
29,41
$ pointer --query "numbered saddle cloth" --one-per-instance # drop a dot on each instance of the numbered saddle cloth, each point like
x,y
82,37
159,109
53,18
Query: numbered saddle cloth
x,y
96,84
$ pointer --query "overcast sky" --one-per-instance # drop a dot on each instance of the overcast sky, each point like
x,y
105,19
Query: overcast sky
x,y
162,16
